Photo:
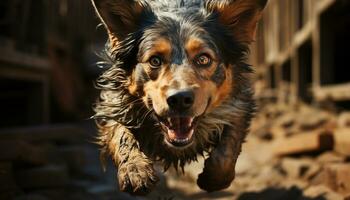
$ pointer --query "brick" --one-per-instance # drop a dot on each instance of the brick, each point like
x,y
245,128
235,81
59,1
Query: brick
x,y
330,157
278,132
287,120
344,119
342,141
297,168
321,192
313,120
303,143
335,176
263,132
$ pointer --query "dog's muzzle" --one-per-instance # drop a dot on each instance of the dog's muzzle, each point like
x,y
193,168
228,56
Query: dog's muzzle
x,y
179,124
179,130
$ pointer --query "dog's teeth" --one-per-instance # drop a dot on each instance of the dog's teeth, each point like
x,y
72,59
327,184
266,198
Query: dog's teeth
x,y
169,121
191,121
181,140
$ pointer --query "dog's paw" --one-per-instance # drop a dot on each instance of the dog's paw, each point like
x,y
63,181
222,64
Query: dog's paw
x,y
136,178
210,182
218,173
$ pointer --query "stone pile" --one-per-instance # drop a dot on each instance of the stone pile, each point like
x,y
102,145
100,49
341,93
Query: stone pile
x,y
309,149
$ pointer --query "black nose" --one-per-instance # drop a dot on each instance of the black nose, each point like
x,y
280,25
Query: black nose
x,y
181,100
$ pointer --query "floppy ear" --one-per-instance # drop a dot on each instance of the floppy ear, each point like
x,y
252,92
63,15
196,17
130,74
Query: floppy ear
x,y
240,16
120,17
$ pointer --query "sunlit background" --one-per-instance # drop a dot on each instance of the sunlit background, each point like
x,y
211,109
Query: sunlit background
x,y
298,148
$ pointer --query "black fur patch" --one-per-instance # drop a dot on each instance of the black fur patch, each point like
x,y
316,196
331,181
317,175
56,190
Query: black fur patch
x,y
219,75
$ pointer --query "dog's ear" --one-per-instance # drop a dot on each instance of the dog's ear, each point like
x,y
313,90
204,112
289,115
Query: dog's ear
x,y
240,16
120,17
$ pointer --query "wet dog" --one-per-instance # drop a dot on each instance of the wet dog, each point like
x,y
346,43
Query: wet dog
x,y
176,87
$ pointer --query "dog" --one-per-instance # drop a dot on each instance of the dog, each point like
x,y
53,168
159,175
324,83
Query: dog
x,y
176,87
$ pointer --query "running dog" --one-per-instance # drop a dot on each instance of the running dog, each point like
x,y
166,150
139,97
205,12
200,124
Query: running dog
x,y
176,87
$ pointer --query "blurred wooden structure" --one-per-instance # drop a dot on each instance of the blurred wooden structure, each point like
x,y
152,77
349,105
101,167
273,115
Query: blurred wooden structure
x,y
301,51
43,48
28,31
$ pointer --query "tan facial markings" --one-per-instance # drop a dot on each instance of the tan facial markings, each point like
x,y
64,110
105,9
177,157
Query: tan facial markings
x,y
160,51
152,89
224,90
194,48
186,76
160,47
157,90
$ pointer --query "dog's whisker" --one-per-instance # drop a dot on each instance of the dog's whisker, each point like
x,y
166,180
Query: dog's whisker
x,y
145,115
135,100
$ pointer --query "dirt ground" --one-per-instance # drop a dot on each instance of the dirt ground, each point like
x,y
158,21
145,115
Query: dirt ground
x,y
291,153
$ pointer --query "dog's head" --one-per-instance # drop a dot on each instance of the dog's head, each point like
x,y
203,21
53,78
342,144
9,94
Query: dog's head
x,y
181,59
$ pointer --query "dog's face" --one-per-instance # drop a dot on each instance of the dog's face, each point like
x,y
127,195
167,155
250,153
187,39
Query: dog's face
x,y
185,79
183,61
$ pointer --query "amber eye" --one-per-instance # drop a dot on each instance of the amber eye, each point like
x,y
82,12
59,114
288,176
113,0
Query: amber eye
x,y
203,60
155,61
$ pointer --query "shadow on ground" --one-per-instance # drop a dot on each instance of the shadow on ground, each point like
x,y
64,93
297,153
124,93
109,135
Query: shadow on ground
x,y
292,193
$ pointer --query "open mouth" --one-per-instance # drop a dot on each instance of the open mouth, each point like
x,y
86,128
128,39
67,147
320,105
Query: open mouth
x,y
179,130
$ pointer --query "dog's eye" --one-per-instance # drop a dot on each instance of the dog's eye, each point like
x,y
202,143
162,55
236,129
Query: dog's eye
x,y
203,60
155,61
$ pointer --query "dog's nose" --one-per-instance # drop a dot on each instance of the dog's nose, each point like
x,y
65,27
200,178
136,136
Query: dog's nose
x,y
181,100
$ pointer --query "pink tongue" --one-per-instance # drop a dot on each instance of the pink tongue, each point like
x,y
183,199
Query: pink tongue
x,y
179,128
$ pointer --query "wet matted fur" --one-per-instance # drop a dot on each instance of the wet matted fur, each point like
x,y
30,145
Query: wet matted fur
x,y
175,87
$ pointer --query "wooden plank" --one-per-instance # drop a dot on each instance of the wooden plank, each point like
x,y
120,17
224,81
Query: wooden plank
x,y
338,92
303,143
316,54
323,5
14,72
23,60
302,35
342,141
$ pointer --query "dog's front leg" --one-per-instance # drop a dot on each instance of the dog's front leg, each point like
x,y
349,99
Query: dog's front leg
x,y
135,171
219,167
